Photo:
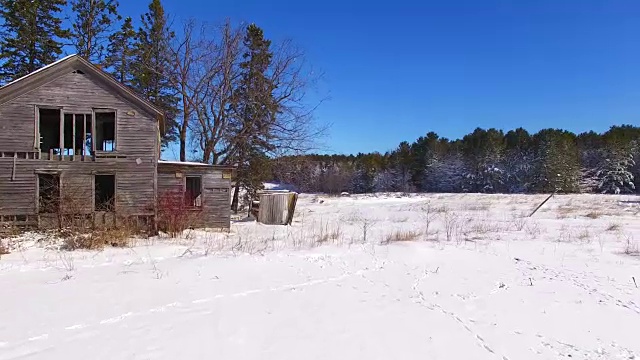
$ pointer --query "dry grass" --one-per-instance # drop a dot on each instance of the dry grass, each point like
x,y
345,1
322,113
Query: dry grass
x,y
566,211
482,227
441,209
519,223
585,235
3,249
477,207
402,236
450,225
99,239
594,215
631,248
533,229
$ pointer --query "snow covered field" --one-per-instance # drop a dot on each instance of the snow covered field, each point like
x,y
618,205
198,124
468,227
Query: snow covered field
x,y
476,279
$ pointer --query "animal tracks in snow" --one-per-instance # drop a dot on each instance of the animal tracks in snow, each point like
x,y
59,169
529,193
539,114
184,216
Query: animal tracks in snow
x,y
575,279
437,307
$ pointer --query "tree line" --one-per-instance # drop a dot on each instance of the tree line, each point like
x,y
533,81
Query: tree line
x,y
230,95
484,161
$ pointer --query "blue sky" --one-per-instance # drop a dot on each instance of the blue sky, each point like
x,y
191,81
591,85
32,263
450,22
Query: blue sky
x,y
395,70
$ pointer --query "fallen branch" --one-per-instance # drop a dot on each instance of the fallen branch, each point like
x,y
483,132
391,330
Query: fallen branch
x,y
544,202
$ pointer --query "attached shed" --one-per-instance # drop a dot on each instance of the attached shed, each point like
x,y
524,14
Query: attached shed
x,y
205,191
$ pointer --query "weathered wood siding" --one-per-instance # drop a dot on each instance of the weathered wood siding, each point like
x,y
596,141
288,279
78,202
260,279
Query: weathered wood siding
x,y
137,147
215,210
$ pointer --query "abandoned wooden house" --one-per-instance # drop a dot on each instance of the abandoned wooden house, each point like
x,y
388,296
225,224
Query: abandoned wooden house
x,y
75,142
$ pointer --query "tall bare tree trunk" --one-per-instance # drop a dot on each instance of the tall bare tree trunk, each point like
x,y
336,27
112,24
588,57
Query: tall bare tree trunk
x,y
236,198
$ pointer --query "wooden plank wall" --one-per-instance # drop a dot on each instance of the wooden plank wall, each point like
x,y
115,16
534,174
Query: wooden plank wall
x,y
274,208
137,144
215,211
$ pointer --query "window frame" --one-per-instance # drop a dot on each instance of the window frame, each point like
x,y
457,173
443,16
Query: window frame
x,y
36,139
184,190
95,111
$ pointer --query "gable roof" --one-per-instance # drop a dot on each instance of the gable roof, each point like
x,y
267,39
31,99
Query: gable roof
x,y
61,67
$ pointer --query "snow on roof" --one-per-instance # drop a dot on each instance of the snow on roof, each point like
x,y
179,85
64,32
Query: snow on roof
x,y
182,163
39,70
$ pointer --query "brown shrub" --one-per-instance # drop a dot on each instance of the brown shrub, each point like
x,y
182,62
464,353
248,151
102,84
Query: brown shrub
x,y
402,236
3,249
175,215
98,239
594,215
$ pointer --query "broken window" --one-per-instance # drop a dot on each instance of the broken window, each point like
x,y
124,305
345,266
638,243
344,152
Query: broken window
x,y
74,139
49,130
77,134
105,136
105,192
48,193
193,194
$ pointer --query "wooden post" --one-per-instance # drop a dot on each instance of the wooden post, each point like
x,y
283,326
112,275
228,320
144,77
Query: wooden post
x,y
93,131
84,136
74,135
13,173
61,135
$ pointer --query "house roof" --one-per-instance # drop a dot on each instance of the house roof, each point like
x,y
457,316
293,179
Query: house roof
x,y
58,68
37,71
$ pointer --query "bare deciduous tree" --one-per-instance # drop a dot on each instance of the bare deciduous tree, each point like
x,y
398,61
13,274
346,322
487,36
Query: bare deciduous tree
x,y
190,71
213,111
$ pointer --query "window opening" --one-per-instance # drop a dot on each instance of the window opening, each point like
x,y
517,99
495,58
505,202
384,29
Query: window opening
x,y
105,131
193,196
49,130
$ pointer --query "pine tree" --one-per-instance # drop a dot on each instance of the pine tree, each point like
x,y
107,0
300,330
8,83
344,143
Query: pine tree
x,y
518,161
149,75
431,149
445,173
615,175
557,162
592,157
422,150
361,182
621,143
616,171
31,36
255,109
121,52
401,165
92,24
483,151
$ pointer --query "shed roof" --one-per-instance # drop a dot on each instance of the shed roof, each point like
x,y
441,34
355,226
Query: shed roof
x,y
190,163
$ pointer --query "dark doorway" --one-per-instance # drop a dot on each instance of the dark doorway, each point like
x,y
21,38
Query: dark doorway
x,y
105,192
48,193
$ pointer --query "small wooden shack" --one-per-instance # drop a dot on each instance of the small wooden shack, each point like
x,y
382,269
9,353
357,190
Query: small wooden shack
x,y
275,207
205,190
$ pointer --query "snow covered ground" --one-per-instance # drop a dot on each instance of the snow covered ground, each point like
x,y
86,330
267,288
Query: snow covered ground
x,y
478,280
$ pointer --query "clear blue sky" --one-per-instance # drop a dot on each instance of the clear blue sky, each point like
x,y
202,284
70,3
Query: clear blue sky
x,y
395,70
